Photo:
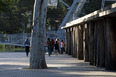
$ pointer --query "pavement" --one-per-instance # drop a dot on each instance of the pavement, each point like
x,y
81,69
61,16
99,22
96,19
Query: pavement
x,y
15,64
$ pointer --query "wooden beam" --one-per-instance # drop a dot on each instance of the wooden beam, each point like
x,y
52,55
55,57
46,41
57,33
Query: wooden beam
x,y
110,0
93,15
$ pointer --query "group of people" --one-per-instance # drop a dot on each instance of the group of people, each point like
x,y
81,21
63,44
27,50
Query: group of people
x,y
54,46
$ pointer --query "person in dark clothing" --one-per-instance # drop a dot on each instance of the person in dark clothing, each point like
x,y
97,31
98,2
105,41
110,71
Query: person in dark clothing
x,y
52,45
49,46
27,44
58,45
56,48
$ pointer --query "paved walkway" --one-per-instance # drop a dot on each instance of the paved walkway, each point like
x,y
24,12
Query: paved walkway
x,y
12,64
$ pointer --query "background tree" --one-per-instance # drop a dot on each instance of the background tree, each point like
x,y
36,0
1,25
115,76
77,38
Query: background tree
x,y
13,21
57,13
6,5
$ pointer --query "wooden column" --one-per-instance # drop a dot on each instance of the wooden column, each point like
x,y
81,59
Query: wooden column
x,y
74,42
83,35
80,43
69,44
110,43
76,36
77,40
91,44
66,42
86,54
71,40
95,45
73,53
100,44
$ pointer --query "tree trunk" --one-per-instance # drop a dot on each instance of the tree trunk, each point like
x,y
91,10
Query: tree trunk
x,y
37,58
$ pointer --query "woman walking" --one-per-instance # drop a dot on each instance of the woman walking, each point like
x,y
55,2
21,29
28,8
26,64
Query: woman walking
x,y
27,44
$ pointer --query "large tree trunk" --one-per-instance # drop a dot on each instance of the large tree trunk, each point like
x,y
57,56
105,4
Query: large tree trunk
x,y
37,58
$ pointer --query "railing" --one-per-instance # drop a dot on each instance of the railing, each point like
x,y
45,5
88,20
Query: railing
x,y
14,38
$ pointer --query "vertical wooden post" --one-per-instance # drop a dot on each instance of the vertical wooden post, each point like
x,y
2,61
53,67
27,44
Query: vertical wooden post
x,y
74,52
99,43
71,41
100,48
86,58
66,42
95,44
80,45
91,44
83,35
77,40
110,44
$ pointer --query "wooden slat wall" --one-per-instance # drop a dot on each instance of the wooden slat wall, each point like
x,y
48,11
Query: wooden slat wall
x,y
94,42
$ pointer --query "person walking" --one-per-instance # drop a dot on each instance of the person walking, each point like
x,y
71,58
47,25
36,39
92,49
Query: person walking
x,y
56,47
27,46
52,45
62,47
49,46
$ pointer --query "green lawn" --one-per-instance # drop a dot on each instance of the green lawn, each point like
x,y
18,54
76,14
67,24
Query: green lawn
x,y
11,48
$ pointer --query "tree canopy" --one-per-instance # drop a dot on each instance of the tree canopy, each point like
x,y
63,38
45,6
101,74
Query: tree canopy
x,y
57,14
6,5
16,15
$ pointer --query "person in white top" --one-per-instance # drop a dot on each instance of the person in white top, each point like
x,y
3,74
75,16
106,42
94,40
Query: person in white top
x,y
62,47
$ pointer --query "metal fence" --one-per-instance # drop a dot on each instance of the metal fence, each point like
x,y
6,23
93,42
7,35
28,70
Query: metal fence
x,y
14,38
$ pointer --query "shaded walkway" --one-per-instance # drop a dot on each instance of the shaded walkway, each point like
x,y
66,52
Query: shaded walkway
x,y
11,65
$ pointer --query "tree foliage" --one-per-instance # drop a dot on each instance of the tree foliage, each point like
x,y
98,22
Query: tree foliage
x,y
15,15
57,14
6,5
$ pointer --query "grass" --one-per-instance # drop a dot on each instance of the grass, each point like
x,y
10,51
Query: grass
x,y
10,48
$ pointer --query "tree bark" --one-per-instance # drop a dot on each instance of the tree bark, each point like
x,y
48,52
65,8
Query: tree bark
x,y
37,58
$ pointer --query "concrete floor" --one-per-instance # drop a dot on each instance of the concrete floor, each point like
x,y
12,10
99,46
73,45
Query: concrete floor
x,y
12,65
